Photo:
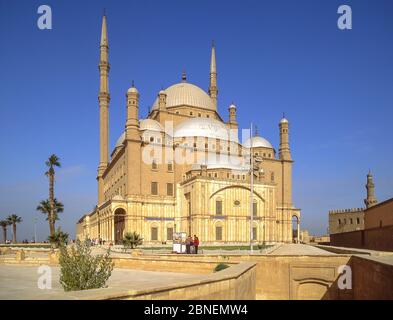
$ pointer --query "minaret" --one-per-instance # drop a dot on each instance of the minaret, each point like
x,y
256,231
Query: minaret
x,y
284,151
103,98
162,100
370,200
213,91
132,123
133,142
232,116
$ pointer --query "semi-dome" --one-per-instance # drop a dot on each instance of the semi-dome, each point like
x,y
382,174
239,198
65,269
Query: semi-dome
x,y
144,124
121,139
151,125
258,142
188,94
202,127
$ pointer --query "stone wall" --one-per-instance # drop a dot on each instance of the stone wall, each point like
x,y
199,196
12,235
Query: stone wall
x,y
372,278
373,239
158,263
298,277
277,277
234,283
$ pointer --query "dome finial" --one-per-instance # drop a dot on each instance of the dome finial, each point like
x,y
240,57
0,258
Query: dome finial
x,y
283,119
132,84
184,76
256,132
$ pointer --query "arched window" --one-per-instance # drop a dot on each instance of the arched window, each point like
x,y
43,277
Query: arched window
x,y
254,233
218,233
169,233
255,209
154,233
218,207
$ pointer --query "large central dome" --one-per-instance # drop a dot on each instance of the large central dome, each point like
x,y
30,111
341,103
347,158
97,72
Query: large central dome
x,y
203,127
185,93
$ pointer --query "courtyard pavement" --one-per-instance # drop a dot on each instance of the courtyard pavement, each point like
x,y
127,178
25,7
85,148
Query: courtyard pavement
x,y
299,249
20,282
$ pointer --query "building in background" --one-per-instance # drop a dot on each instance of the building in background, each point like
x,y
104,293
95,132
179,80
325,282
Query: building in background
x,y
143,186
376,233
347,220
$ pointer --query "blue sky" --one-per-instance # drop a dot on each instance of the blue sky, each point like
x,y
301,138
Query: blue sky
x,y
335,87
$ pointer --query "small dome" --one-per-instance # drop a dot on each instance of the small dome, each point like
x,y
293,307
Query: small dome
x,y
132,90
202,127
121,139
284,120
185,93
232,106
258,142
151,125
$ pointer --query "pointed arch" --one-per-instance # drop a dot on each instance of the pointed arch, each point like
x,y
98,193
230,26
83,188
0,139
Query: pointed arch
x,y
234,187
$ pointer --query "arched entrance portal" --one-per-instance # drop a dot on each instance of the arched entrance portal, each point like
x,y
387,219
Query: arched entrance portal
x,y
120,219
295,229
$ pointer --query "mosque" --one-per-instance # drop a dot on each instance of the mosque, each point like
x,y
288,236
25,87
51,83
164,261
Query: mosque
x,y
184,169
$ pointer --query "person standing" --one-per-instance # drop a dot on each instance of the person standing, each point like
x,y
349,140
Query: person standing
x,y
196,243
188,244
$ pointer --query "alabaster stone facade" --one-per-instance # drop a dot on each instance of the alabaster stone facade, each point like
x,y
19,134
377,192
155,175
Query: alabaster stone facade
x,y
184,169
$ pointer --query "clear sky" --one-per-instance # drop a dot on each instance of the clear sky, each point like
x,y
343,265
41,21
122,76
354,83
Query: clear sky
x,y
336,88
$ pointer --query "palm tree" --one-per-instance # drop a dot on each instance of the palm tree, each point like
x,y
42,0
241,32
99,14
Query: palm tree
x,y
51,163
4,224
132,240
59,238
44,207
14,219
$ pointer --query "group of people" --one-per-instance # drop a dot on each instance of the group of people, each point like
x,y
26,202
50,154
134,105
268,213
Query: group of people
x,y
192,244
95,241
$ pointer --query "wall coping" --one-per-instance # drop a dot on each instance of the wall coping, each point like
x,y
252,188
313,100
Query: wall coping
x,y
233,272
357,251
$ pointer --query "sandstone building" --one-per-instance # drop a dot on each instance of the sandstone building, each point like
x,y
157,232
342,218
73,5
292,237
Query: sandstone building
x,y
346,220
184,169
376,232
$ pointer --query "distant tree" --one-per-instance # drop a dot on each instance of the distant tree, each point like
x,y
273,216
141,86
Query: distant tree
x,y
14,219
45,208
131,240
51,163
4,224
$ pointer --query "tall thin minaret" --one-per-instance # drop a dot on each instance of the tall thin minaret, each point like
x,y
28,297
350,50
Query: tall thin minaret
x,y
371,199
213,91
103,98
284,151
133,143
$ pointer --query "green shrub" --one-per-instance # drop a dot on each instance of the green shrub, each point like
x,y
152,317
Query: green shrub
x,y
80,270
131,240
220,266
